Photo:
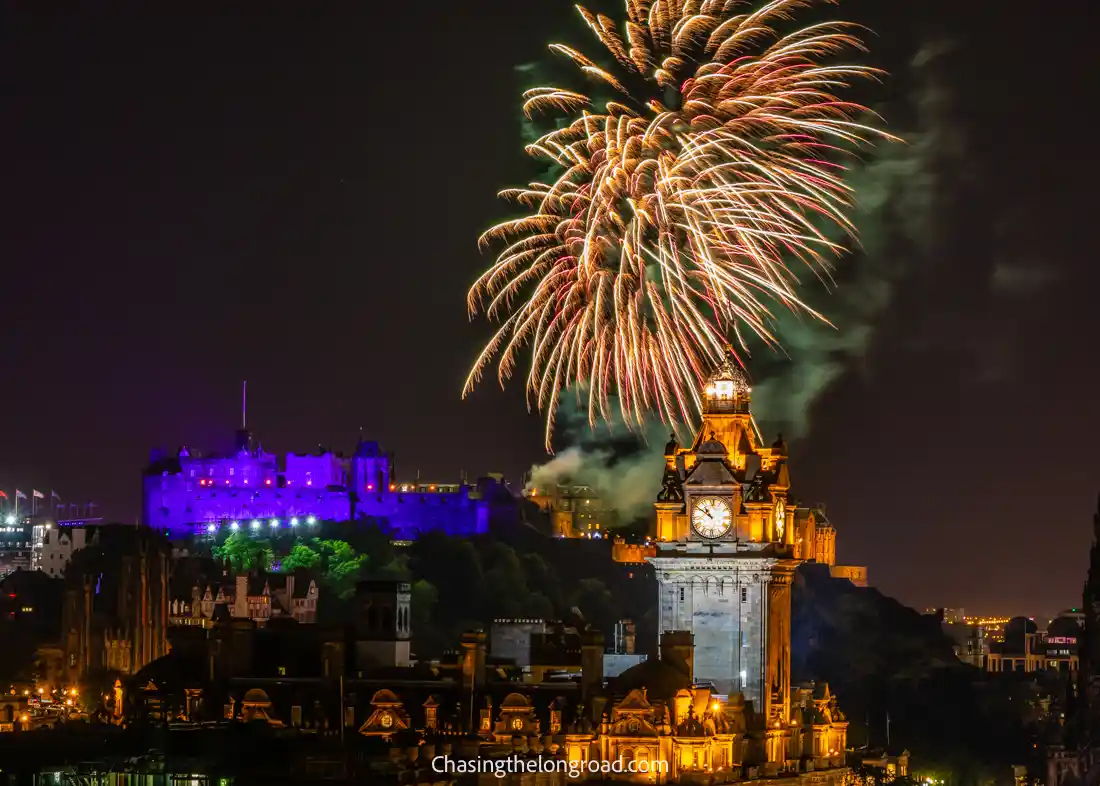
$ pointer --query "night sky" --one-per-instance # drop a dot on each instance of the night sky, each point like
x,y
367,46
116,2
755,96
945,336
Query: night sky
x,y
193,197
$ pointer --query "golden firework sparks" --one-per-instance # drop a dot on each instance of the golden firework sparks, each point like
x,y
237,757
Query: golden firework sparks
x,y
681,206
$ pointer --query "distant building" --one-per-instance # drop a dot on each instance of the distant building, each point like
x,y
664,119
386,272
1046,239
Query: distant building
x,y
969,642
510,639
384,624
190,494
60,543
256,598
633,553
544,650
116,618
1028,649
576,510
950,616
889,766
23,540
816,541
16,543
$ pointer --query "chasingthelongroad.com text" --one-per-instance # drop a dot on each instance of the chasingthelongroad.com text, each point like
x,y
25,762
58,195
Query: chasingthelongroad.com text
x,y
517,765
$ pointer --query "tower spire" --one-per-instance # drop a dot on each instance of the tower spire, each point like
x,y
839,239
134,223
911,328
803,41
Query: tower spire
x,y
244,439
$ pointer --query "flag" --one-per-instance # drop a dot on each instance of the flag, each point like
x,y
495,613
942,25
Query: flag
x,y
36,494
19,494
3,495
53,495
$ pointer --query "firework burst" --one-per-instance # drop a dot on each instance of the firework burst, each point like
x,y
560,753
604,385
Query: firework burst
x,y
684,208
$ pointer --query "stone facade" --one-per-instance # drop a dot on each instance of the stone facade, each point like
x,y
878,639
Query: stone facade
x,y
58,546
115,615
729,537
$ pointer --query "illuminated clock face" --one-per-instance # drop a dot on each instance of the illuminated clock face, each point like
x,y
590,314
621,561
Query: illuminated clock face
x,y
780,519
711,517
517,723
387,721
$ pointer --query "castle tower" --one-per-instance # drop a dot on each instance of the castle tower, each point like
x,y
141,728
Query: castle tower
x,y
726,416
725,553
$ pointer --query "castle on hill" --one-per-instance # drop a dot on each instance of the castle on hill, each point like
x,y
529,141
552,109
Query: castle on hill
x,y
191,494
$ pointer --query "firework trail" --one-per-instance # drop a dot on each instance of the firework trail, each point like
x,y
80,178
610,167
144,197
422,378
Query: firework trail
x,y
684,208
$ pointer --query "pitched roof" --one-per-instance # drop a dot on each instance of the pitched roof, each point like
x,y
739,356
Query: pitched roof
x,y
711,471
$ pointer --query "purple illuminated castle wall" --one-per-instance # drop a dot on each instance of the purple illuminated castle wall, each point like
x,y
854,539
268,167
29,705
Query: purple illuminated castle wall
x,y
190,494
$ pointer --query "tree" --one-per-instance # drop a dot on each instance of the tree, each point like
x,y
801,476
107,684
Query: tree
x,y
427,636
243,553
341,566
301,557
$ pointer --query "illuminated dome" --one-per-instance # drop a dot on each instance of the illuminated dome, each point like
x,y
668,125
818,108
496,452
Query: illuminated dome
x,y
1064,627
384,697
711,446
515,701
728,380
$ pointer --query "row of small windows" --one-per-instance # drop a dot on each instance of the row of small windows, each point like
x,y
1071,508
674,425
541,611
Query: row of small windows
x,y
721,590
424,500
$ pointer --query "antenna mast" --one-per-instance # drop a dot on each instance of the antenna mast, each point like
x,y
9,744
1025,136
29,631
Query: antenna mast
x,y
244,405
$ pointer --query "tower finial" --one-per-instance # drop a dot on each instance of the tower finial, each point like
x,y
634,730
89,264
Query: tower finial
x,y
244,405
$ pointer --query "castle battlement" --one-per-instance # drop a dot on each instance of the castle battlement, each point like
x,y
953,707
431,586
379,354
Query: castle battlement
x,y
191,494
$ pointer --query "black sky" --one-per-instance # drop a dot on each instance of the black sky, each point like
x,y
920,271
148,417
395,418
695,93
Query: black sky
x,y
195,195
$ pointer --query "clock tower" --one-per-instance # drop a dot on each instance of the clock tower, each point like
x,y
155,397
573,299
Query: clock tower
x,y
725,553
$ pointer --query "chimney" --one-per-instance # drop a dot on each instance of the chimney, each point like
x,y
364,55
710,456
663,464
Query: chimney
x,y
473,661
591,663
289,601
678,650
240,597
